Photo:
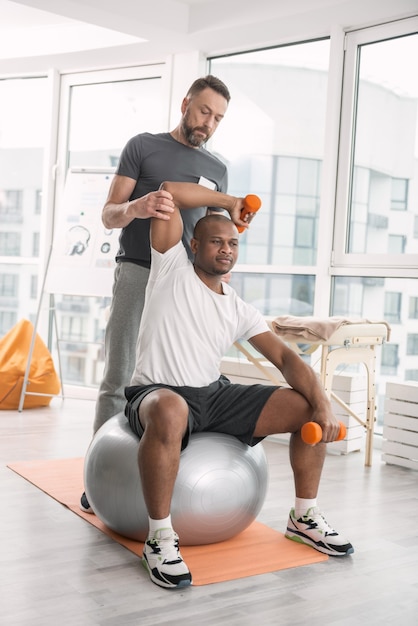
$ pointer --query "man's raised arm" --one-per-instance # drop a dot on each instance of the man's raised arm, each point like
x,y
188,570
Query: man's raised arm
x,y
167,233
193,195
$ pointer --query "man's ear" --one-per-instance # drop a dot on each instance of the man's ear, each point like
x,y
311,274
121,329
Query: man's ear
x,y
194,245
184,105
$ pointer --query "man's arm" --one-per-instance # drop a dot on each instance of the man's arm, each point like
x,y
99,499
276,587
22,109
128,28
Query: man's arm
x,y
165,234
193,195
118,211
302,378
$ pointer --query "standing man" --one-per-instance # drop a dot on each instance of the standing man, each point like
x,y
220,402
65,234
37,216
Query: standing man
x,y
134,197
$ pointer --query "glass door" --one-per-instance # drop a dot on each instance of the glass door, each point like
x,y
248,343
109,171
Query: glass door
x,y
99,112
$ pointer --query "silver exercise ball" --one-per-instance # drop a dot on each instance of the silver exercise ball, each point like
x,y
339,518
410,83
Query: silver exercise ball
x,y
219,490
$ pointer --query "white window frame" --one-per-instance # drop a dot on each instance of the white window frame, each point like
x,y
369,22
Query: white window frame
x,y
157,70
344,263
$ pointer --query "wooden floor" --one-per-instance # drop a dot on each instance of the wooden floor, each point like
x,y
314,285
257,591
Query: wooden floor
x,y
57,569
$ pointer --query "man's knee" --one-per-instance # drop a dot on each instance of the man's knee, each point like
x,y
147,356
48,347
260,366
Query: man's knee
x,y
164,413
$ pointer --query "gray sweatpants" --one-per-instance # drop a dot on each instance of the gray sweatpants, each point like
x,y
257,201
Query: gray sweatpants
x,y
121,335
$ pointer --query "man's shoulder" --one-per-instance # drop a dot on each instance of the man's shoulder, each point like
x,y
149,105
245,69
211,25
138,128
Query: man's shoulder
x,y
163,263
150,138
207,154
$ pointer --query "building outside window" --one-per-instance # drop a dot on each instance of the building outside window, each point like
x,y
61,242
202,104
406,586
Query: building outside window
x,y
24,131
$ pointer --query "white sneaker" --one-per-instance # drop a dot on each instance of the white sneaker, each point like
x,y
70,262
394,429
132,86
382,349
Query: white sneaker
x,y
162,559
314,531
85,504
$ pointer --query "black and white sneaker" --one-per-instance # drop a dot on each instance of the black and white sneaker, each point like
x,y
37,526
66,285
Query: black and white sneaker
x,y
163,561
314,531
84,504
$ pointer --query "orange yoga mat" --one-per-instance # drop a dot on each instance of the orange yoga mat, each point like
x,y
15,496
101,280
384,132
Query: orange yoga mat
x,y
256,550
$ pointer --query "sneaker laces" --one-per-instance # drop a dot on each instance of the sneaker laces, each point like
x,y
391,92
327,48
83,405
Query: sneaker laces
x,y
166,541
314,515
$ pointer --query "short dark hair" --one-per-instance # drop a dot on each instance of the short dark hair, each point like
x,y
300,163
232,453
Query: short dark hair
x,y
213,83
203,223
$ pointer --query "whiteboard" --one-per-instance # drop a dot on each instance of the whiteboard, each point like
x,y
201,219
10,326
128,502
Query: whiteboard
x,y
83,252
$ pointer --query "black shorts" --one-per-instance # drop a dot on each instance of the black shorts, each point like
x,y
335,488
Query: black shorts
x,y
221,407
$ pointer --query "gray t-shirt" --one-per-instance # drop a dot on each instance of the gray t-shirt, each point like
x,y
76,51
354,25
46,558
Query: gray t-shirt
x,y
151,160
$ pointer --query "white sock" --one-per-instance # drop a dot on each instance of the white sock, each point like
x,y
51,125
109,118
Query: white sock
x,y
302,505
158,524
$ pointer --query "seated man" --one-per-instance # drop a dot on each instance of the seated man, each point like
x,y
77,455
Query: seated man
x,y
190,320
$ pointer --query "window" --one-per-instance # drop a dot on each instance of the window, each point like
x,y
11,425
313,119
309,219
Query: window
x,y
35,244
33,286
359,203
399,195
411,375
396,244
382,299
7,320
24,134
375,215
413,307
390,359
9,285
296,210
100,111
279,98
276,294
11,209
38,201
374,266
379,148
10,244
134,104
348,296
304,232
73,369
392,311
73,328
412,344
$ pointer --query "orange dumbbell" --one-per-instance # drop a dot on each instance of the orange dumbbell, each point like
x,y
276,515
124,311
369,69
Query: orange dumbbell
x,y
251,205
311,433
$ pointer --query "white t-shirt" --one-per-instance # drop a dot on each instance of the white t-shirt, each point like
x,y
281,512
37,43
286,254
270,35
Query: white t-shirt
x,y
187,328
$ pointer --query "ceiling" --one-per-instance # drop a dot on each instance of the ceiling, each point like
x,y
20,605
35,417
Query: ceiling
x,y
28,31
48,30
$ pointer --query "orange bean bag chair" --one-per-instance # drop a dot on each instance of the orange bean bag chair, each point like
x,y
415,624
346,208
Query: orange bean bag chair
x,y
14,354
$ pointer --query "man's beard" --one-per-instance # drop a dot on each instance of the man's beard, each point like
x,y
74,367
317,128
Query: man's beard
x,y
190,137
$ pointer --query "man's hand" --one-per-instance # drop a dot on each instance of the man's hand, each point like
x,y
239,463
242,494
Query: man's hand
x,y
157,204
328,422
234,209
118,211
